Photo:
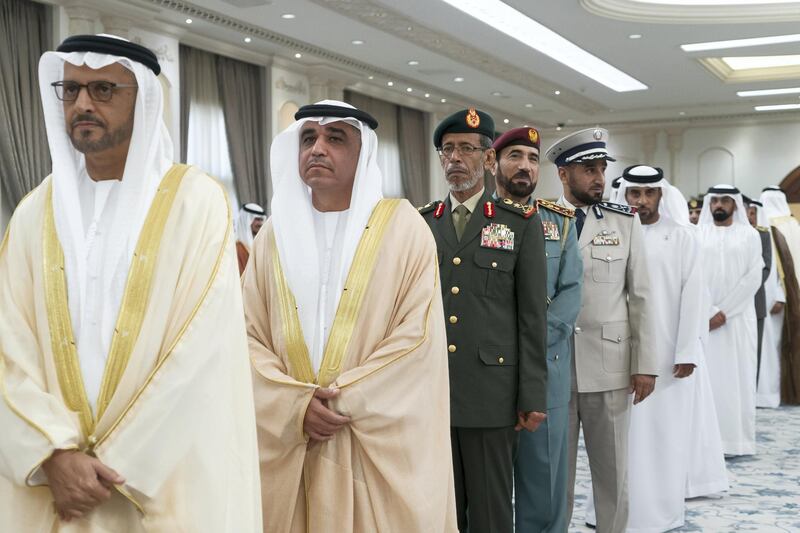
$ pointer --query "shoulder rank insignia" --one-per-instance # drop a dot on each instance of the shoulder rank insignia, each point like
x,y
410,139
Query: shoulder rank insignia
x,y
526,211
618,208
606,238
550,230
438,206
556,208
498,236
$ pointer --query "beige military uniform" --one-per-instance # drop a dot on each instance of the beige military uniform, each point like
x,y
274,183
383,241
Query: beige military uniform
x,y
612,340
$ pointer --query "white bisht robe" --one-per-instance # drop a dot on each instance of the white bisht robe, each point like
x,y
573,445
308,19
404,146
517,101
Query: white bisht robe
x,y
733,266
177,419
769,379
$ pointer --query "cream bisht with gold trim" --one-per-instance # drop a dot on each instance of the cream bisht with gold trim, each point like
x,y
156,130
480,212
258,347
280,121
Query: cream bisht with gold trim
x,y
390,467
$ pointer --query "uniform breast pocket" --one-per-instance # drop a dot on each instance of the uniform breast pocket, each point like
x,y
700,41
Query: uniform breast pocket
x,y
498,355
608,264
552,250
616,347
494,275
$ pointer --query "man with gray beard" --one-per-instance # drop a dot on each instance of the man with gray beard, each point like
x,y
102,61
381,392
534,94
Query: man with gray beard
x,y
492,265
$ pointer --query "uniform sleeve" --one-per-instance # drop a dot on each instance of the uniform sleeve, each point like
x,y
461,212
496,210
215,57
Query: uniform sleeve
x,y
566,303
531,287
644,360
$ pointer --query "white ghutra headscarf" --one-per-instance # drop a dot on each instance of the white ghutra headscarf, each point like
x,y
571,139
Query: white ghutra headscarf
x,y
672,205
293,220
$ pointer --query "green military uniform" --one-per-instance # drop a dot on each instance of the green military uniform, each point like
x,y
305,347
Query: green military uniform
x,y
495,303
541,466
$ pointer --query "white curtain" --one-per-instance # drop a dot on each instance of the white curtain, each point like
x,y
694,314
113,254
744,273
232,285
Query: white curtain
x,y
388,146
207,144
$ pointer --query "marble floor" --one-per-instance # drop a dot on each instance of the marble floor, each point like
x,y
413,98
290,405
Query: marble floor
x,y
765,488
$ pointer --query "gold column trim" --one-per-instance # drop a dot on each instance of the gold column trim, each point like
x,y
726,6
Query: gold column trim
x,y
183,329
138,286
355,287
296,349
65,352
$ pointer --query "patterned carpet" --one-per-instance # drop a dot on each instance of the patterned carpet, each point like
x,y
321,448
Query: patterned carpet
x,y
765,488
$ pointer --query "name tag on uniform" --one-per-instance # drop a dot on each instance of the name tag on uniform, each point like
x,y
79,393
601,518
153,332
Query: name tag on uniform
x,y
497,236
606,238
550,230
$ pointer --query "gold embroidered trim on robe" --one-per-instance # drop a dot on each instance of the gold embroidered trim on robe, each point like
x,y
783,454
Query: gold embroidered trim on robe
x,y
183,329
356,285
137,287
299,361
132,308
347,310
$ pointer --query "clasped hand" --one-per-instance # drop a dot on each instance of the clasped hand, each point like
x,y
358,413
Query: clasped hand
x,y
321,422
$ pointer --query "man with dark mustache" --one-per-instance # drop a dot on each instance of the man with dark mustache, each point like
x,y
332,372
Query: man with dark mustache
x,y
492,265
733,272
613,332
541,465
123,357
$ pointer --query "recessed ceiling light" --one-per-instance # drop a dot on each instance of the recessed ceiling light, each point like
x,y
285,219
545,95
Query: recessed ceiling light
x,y
738,43
390,83
635,36
558,128
528,105
288,16
778,107
247,39
427,95
524,29
497,93
458,79
189,21
298,55
409,89
370,77
506,121
557,93
413,62
682,113
357,42
443,100
769,92
752,62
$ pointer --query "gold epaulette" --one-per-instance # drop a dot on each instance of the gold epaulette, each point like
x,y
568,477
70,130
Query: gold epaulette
x,y
525,211
556,208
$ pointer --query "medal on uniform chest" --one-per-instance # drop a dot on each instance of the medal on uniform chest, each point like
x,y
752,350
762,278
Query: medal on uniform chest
x,y
550,230
606,238
497,236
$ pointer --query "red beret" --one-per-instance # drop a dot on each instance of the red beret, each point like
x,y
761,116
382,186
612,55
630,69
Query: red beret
x,y
523,136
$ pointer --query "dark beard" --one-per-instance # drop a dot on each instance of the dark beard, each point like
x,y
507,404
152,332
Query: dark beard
x,y
720,215
586,198
517,190
110,139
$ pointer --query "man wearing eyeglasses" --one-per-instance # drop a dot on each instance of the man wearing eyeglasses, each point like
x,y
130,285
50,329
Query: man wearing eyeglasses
x,y
493,272
124,371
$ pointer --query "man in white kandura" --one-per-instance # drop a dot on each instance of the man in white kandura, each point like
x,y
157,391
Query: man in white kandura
x,y
126,399
733,261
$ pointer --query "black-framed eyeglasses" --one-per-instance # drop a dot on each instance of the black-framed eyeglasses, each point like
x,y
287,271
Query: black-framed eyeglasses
x,y
463,149
99,91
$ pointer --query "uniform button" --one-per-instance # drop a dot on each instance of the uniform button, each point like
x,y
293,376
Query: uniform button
x,y
577,329
556,357
451,348
494,264
453,319
546,254
608,258
619,339
456,260
501,360
454,290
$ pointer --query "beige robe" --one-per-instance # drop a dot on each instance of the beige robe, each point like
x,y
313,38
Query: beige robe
x,y
176,407
390,469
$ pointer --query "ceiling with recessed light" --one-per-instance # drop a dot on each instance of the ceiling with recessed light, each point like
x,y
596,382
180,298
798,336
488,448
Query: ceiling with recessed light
x,y
558,62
